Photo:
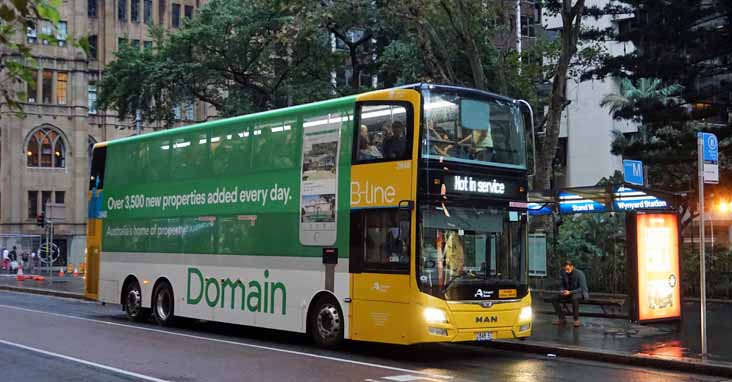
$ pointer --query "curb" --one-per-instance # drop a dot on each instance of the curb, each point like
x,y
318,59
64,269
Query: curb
x,y
684,365
46,292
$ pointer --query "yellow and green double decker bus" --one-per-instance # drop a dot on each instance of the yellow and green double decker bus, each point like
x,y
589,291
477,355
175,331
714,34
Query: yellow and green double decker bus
x,y
394,216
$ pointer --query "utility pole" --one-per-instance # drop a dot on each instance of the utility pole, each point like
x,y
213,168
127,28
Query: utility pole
x,y
138,122
702,260
518,33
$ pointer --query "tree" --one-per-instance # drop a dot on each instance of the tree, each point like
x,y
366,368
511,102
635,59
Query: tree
x,y
275,53
239,56
571,16
460,42
356,26
16,60
596,244
682,42
638,103
679,41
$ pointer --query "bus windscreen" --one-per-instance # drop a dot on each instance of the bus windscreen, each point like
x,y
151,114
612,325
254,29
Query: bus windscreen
x,y
463,128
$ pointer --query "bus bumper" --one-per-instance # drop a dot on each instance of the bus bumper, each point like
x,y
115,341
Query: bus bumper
x,y
470,322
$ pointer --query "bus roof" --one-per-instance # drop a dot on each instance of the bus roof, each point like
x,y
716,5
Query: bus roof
x,y
241,118
458,89
292,109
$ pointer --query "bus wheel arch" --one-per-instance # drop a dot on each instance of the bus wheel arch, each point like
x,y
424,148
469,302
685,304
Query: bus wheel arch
x,y
131,299
162,302
325,322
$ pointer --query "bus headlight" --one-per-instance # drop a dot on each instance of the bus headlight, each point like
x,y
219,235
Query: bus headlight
x,y
434,315
525,314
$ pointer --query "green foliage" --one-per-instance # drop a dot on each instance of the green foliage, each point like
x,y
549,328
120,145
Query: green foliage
x,y
456,42
667,139
718,272
16,61
679,41
239,56
636,101
596,244
682,52
243,56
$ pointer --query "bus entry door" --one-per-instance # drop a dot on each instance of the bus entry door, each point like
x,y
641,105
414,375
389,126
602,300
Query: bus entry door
x,y
380,250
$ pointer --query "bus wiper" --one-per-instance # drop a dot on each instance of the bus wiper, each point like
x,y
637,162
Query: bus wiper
x,y
449,283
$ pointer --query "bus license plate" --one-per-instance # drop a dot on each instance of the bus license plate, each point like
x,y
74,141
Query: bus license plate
x,y
484,336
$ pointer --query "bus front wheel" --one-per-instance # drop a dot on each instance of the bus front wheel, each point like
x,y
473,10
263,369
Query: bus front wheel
x,y
326,323
163,304
133,302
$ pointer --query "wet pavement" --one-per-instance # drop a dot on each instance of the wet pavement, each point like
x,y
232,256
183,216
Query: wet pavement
x,y
68,284
668,340
58,339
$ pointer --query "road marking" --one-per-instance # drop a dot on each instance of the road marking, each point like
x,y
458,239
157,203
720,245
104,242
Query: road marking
x,y
409,378
242,344
404,378
85,362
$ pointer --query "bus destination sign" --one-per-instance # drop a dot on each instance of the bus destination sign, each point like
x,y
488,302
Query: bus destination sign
x,y
470,184
482,185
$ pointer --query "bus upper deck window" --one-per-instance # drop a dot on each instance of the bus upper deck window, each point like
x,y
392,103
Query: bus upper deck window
x,y
384,132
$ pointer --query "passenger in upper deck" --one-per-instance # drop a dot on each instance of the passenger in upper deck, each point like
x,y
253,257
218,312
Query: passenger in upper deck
x,y
396,145
366,150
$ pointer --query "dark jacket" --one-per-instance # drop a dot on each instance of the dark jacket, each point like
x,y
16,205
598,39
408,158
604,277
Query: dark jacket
x,y
394,147
576,283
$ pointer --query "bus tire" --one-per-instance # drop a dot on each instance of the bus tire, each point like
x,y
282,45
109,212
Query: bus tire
x,y
326,323
133,302
163,304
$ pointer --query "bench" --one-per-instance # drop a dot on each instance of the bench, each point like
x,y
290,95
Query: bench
x,y
611,307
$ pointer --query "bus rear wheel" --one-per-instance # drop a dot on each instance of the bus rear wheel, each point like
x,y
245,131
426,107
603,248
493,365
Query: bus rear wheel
x,y
326,323
163,304
133,302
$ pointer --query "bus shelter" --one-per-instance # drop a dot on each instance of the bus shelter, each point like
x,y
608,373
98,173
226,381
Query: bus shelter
x,y
652,239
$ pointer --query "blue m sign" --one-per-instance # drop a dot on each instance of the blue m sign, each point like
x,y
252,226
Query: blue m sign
x,y
633,172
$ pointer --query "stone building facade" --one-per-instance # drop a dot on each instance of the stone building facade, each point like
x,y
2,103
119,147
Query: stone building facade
x,y
45,156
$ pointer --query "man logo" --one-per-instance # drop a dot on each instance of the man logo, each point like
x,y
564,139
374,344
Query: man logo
x,y
486,319
483,293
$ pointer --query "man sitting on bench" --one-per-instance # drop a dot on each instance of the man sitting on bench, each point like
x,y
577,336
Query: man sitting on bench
x,y
573,289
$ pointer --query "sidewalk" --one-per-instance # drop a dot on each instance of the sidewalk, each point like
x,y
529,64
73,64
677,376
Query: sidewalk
x,y
67,286
674,346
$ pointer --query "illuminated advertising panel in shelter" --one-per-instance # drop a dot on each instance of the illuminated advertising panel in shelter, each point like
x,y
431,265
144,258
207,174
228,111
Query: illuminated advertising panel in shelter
x,y
657,247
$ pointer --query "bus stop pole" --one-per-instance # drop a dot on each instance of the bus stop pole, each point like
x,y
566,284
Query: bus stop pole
x,y
702,259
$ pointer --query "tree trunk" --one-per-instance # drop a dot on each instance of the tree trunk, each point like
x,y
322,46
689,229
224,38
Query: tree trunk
x,y
571,24
471,50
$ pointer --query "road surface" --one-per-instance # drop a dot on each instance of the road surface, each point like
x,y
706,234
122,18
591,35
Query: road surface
x,y
56,339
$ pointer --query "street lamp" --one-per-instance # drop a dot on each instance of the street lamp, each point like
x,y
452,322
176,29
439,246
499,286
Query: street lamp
x,y
723,207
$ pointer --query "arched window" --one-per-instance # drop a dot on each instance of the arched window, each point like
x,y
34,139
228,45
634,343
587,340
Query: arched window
x,y
46,148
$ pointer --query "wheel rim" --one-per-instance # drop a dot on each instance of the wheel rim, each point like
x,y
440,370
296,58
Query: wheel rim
x,y
328,322
163,304
134,304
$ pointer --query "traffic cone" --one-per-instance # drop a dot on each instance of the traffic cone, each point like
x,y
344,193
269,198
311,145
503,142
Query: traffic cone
x,y
61,273
76,272
20,276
